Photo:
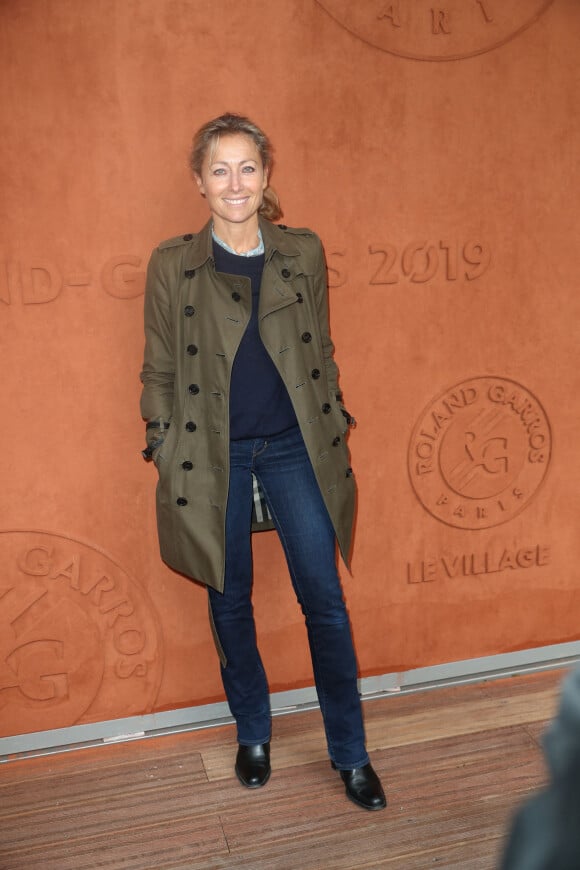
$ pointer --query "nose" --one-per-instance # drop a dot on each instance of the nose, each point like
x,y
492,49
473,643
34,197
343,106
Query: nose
x,y
236,180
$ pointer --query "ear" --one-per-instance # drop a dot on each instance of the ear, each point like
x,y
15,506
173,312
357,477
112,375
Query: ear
x,y
199,182
265,181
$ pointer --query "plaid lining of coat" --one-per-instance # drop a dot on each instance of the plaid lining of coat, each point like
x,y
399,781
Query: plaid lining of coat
x,y
261,516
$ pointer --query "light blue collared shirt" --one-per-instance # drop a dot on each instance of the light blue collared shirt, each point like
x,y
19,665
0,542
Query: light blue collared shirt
x,y
255,252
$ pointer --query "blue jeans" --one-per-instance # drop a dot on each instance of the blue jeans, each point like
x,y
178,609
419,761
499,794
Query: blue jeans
x,y
282,466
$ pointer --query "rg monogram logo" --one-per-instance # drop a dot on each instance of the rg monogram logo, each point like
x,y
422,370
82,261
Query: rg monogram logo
x,y
479,452
80,640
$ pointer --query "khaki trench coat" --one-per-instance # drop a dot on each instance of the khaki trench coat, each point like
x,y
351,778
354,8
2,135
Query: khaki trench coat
x,y
194,321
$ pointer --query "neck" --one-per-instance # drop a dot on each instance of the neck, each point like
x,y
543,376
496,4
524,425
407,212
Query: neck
x,y
240,237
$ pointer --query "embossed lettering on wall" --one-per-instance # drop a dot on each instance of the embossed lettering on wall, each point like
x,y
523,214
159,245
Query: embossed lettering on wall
x,y
479,452
419,262
424,30
44,281
490,561
79,639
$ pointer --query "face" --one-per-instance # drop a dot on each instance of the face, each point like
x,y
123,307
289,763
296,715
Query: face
x,y
233,180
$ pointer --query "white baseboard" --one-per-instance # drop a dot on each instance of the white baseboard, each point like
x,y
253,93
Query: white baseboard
x,y
210,715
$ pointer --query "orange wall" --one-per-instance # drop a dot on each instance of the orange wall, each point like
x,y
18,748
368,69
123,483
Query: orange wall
x,y
434,147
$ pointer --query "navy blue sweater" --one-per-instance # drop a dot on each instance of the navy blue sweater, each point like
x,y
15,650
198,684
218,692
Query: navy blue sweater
x,y
259,402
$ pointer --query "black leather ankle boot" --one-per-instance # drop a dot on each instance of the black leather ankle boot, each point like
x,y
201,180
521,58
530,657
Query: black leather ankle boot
x,y
363,787
253,765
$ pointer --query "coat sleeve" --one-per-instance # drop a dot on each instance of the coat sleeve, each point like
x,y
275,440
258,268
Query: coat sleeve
x,y
158,374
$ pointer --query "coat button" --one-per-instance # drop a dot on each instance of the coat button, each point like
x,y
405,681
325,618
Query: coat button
x,y
306,337
181,502
190,426
194,390
299,297
236,296
315,374
326,409
187,237
189,273
189,310
192,349
336,441
286,273
349,472
187,465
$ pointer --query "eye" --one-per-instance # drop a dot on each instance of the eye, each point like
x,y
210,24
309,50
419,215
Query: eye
x,y
248,169
219,171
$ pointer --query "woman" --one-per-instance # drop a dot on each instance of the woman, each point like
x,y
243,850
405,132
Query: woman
x,y
240,386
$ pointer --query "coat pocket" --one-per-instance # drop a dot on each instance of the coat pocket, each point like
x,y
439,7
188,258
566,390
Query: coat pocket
x,y
162,458
341,416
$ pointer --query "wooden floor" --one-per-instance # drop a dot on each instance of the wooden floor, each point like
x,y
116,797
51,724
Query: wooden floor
x,y
455,762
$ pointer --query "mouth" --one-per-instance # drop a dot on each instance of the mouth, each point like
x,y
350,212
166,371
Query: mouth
x,y
237,201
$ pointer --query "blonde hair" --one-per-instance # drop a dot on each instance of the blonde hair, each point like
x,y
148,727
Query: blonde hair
x,y
226,125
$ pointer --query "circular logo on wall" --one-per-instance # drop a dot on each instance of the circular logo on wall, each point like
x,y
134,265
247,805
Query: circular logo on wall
x,y
479,452
424,30
80,640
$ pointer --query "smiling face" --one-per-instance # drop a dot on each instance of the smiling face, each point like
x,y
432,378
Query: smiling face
x,y
233,181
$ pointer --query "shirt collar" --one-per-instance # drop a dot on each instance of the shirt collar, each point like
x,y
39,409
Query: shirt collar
x,y
275,239
255,252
